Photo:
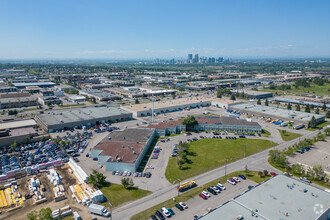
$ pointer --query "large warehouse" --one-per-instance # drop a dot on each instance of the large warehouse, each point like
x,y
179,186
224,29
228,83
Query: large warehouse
x,y
123,150
278,113
72,118
161,107
278,198
213,123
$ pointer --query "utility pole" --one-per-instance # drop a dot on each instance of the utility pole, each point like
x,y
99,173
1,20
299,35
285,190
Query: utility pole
x,y
226,161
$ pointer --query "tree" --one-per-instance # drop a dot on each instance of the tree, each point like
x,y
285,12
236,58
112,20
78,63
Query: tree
x,y
190,122
327,114
14,145
266,102
232,97
137,101
312,123
317,111
181,89
258,102
33,215
12,112
179,162
45,214
298,107
131,183
49,103
289,106
43,139
125,182
67,90
173,96
58,102
219,93
307,108
74,91
27,139
97,179
260,173
324,107
265,172
284,132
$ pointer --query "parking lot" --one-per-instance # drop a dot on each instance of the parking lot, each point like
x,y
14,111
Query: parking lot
x,y
198,206
319,154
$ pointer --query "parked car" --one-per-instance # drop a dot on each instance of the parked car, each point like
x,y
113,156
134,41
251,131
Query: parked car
x,y
231,182
165,212
250,187
221,186
211,191
236,179
170,211
160,215
183,205
242,177
202,196
273,173
305,179
179,207
206,194
216,189
153,217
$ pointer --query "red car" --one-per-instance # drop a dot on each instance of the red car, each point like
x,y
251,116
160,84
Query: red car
x,y
233,180
203,196
272,173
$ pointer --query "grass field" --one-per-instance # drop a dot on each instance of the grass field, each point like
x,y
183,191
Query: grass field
x,y
313,89
288,136
252,175
118,195
265,133
208,154
318,126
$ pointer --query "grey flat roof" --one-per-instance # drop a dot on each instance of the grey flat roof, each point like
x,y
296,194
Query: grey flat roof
x,y
277,199
34,84
79,114
17,124
269,110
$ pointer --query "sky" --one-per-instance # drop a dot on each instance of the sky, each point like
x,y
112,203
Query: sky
x,y
148,29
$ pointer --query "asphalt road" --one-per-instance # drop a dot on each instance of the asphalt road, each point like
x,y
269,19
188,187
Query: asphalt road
x,y
254,162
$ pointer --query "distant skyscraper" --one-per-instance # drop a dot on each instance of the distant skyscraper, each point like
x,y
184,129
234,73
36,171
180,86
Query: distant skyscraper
x,y
196,58
190,56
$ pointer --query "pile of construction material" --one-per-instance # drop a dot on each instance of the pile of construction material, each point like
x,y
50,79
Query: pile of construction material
x,y
58,189
10,196
86,194
37,190
78,172
62,212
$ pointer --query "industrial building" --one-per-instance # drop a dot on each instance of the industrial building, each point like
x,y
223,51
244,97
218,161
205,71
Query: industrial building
x,y
123,150
300,102
78,117
98,95
280,197
136,92
18,102
40,84
161,107
278,113
7,137
256,94
213,123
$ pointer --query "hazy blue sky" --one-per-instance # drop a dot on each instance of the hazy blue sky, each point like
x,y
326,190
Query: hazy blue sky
x,y
139,29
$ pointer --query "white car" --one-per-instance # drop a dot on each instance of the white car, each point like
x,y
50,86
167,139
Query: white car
x,y
165,212
221,186
206,194
235,178
231,182
183,205
215,189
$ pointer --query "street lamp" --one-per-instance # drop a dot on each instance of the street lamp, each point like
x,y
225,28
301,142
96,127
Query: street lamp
x,y
178,186
226,161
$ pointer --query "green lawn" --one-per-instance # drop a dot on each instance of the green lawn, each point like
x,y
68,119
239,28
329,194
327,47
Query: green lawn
x,y
118,195
208,154
318,126
252,175
313,89
265,133
288,136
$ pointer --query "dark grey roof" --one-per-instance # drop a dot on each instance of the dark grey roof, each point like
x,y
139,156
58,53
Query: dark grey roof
x,y
132,135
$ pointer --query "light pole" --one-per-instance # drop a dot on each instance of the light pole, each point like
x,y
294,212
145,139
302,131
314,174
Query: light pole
x,y
110,209
226,160
178,186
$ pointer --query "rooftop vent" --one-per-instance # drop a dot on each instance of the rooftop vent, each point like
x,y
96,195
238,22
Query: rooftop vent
x,y
122,146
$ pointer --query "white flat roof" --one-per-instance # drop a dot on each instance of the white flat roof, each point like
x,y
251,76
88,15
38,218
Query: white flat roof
x,y
17,124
